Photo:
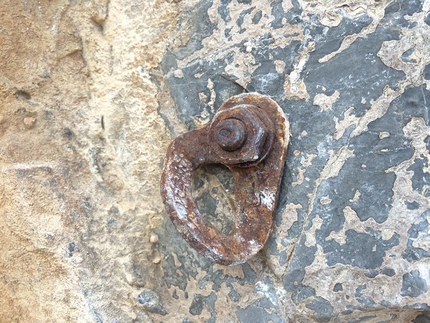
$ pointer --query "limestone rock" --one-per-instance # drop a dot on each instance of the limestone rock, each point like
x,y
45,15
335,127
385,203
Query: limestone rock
x,y
91,94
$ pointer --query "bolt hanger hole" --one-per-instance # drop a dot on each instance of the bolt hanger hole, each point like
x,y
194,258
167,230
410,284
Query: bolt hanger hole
x,y
213,193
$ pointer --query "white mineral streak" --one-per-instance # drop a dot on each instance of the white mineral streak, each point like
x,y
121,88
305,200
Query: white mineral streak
x,y
351,221
331,14
331,169
306,161
300,176
377,288
310,234
325,102
325,200
283,241
267,198
294,86
243,64
384,134
270,291
356,196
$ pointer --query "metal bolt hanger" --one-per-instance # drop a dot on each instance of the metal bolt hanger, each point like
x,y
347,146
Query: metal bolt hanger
x,y
249,134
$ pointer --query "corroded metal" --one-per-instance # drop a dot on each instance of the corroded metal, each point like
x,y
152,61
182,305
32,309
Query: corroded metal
x,y
249,135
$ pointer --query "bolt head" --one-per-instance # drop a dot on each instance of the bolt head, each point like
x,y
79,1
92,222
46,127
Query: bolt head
x,y
241,135
230,134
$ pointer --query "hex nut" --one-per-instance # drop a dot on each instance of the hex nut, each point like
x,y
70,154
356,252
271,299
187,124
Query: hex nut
x,y
239,146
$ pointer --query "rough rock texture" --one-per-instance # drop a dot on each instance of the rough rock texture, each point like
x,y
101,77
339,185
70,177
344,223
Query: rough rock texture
x,y
91,93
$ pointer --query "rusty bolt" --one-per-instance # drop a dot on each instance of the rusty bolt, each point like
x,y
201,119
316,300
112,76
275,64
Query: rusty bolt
x,y
241,134
230,134
246,126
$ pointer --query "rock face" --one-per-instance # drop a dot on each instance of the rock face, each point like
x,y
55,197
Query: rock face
x,y
91,94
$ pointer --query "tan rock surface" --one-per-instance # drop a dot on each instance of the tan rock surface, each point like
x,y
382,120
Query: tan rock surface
x,y
81,146
91,93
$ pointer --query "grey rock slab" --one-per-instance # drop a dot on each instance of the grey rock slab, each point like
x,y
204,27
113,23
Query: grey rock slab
x,y
350,239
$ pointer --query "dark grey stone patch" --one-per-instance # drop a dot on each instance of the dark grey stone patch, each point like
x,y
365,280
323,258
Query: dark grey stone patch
x,y
412,253
412,205
356,73
364,250
386,304
302,293
366,301
329,39
395,12
218,277
71,249
242,15
427,68
190,261
372,157
303,257
207,202
422,318
347,312
420,306
227,33
427,19
68,133
364,173
175,294
372,273
304,116
412,103
390,272
392,8
338,287
294,275
293,16
186,90
411,6
322,308
151,302
258,312
233,294
199,302
224,11
376,155
413,284
420,179
286,195
203,27
266,79
137,274
407,54
257,17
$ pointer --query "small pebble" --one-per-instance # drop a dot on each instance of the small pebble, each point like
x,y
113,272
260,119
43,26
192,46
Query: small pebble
x,y
29,122
153,238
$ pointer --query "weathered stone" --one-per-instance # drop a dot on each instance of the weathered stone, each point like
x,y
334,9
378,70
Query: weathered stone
x,y
91,94
151,302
